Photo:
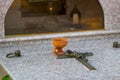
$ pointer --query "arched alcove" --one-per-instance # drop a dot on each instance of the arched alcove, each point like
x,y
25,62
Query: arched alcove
x,y
111,11
19,21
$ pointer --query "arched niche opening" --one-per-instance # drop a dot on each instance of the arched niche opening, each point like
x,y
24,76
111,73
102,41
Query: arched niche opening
x,y
52,16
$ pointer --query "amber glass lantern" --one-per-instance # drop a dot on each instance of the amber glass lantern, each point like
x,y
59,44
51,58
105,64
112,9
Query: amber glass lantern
x,y
76,15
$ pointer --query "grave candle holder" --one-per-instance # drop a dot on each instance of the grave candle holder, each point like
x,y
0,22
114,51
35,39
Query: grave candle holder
x,y
59,43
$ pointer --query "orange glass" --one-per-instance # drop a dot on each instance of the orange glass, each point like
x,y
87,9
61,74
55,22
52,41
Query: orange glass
x,y
59,43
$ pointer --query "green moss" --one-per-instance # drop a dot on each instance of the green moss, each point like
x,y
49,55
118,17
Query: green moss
x,y
7,77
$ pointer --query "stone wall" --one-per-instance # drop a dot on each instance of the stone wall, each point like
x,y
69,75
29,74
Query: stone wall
x,y
4,6
111,11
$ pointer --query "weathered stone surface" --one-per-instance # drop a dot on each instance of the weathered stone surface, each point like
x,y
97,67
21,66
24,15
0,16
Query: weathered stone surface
x,y
52,22
4,6
111,11
2,72
39,63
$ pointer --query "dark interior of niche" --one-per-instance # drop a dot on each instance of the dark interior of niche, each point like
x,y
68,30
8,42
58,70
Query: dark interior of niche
x,y
43,8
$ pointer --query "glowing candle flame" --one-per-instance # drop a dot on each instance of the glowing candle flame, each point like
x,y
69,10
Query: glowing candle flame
x,y
51,8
